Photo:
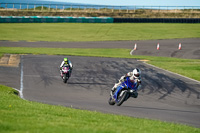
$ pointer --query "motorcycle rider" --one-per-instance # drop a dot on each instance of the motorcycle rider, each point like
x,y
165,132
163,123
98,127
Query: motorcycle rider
x,y
135,75
67,62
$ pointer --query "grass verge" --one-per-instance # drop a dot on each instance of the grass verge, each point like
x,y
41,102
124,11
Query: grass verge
x,y
186,67
19,116
96,32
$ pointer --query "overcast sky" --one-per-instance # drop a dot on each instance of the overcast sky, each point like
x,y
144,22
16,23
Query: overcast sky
x,y
136,2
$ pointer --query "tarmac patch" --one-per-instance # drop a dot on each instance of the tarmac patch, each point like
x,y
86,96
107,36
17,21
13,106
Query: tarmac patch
x,y
10,60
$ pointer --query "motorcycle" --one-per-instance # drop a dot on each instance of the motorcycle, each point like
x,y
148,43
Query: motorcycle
x,y
124,91
65,73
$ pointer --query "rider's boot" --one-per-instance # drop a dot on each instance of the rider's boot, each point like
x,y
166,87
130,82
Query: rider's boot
x,y
112,91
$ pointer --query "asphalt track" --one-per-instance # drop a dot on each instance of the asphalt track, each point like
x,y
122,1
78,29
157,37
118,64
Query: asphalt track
x,y
168,48
164,96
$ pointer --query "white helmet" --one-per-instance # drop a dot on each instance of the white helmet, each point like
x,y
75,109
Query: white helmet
x,y
136,73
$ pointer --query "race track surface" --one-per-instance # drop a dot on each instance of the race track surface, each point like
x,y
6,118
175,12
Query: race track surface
x,y
168,48
164,96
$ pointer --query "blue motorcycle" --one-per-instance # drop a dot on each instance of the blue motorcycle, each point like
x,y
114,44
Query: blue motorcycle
x,y
126,89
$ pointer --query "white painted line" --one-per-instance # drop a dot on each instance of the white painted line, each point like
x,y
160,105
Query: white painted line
x,y
21,79
198,82
131,53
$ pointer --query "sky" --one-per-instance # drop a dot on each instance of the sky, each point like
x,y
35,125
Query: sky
x,y
136,2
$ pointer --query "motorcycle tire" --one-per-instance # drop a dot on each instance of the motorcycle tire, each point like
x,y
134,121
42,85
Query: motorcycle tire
x,y
122,98
65,78
111,101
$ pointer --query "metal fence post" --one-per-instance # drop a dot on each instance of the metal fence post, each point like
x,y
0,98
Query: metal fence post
x,y
192,9
134,9
167,9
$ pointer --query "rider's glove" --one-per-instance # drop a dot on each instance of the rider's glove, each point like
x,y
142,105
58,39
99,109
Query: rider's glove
x,y
122,78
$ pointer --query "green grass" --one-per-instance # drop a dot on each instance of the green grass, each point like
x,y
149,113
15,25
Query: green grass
x,y
20,116
186,67
96,32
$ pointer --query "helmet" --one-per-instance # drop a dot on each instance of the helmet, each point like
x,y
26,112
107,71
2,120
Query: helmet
x,y
136,73
65,59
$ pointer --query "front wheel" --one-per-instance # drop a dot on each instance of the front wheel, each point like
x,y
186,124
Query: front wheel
x,y
121,98
111,101
65,78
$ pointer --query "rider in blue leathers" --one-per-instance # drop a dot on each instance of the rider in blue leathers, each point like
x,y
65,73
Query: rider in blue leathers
x,y
134,75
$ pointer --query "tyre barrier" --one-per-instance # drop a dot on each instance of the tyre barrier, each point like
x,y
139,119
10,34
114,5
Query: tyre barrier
x,y
54,19
156,20
60,19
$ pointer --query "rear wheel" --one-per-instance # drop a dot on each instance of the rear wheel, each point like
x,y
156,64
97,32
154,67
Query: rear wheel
x,y
121,98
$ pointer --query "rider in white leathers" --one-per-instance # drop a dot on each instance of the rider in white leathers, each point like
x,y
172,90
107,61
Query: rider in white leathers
x,y
66,61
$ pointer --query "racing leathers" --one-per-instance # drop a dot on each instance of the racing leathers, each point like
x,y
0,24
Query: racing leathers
x,y
122,79
68,63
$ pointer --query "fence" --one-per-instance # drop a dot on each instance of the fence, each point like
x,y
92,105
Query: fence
x,y
121,11
65,7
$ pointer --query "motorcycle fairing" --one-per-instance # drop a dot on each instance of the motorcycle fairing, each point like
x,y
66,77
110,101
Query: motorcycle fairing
x,y
127,84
